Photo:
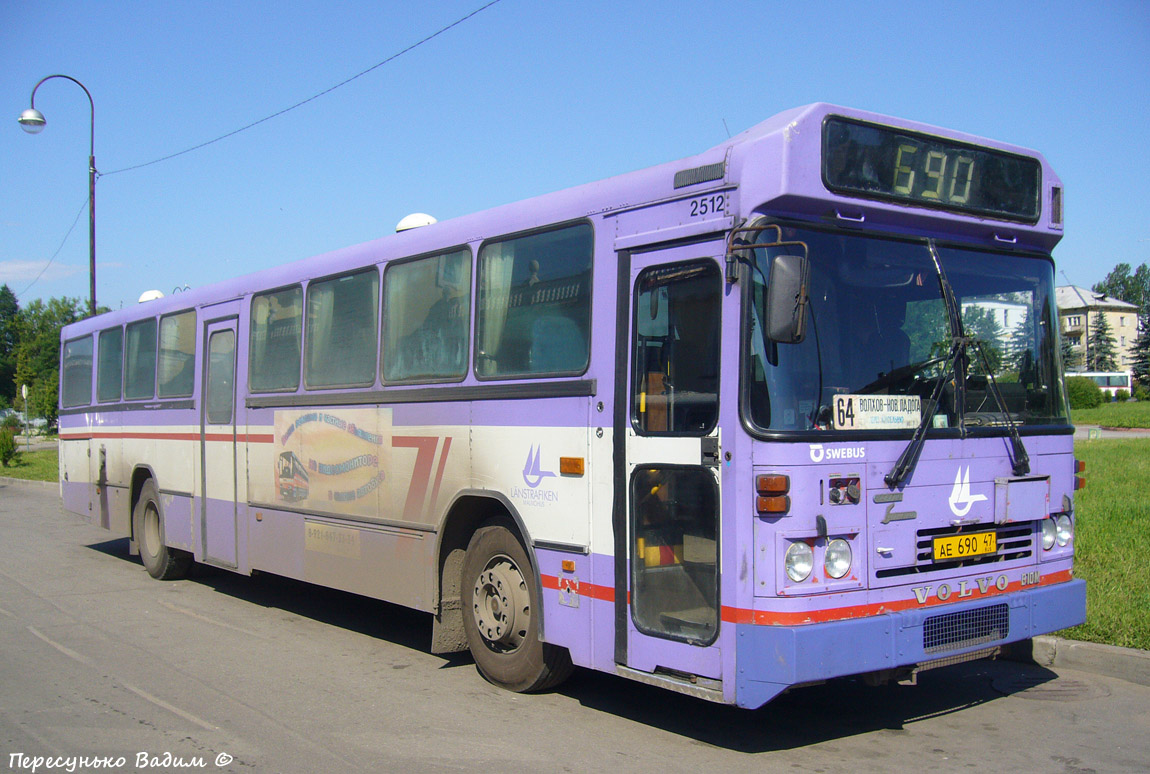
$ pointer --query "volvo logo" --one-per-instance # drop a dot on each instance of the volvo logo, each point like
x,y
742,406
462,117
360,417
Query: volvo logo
x,y
965,589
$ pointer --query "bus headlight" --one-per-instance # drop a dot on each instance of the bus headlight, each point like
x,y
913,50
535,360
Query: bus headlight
x,y
837,560
799,561
1049,533
1065,530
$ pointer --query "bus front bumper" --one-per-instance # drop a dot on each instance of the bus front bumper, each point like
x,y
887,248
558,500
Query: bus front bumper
x,y
771,659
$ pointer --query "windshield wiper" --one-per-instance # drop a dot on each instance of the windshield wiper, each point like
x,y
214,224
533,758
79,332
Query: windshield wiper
x,y
956,362
908,458
1019,459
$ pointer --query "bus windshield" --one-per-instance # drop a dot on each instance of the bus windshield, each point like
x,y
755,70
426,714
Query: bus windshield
x,y
878,339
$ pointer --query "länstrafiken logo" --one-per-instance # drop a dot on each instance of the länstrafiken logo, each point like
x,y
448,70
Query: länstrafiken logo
x,y
961,499
533,473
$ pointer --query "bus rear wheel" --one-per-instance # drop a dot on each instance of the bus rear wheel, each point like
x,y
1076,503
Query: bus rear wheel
x,y
161,562
500,615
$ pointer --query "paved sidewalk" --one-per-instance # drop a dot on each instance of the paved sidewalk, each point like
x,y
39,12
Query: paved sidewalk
x,y
1092,432
6,481
35,443
1123,663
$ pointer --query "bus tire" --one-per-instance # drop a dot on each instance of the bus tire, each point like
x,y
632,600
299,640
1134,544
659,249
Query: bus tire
x,y
161,562
500,609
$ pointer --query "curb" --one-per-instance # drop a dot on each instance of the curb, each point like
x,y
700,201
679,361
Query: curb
x,y
1123,663
5,481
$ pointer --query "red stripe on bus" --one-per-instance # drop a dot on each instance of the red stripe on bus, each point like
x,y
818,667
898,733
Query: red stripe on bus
x,y
585,589
739,615
136,436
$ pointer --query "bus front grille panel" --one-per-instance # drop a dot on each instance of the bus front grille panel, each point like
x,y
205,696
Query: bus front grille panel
x,y
1015,541
965,628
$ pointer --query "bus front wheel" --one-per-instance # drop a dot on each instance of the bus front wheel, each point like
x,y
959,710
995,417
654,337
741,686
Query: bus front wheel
x,y
500,615
161,562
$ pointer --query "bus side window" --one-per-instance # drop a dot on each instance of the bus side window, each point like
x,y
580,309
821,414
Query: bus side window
x,y
110,365
140,360
177,366
274,346
427,311
342,327
534,313
77,368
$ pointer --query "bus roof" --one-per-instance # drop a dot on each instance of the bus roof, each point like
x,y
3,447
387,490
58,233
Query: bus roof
x,y
775,166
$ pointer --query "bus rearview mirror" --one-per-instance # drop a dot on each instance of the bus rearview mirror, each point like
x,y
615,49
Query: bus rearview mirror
x,y
787,299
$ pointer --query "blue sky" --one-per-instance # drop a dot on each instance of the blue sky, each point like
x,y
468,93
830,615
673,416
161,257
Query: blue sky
x,y
522,99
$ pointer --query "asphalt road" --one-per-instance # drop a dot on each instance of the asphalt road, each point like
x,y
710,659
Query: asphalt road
x,y
265,674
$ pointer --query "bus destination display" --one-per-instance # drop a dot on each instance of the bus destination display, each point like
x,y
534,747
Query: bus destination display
x,y
883,162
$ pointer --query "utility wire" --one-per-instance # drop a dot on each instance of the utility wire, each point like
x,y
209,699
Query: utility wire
x,y
83,207
312,98
391,58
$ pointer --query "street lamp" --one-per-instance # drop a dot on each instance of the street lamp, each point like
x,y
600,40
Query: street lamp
x,y
33,122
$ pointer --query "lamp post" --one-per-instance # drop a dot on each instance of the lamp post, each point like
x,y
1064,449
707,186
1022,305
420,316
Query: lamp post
x,y
33,122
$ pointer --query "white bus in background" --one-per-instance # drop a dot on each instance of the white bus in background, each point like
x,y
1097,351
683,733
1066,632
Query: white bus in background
x,y
1110,382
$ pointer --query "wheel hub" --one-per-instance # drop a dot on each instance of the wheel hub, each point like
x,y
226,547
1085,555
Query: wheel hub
x,y
151,536
501,605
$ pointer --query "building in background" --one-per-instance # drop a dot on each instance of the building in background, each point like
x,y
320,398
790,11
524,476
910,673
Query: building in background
x,y
1004,315
1080,312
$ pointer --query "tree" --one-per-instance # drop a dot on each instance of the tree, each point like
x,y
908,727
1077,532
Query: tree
x,y
1020,342
38,351
1083,393
1071,361
9,339
1140,363
1103,354
979,323
926,327
1133,287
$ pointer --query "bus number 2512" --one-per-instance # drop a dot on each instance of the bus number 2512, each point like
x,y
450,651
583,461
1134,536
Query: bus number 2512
x,y
708,205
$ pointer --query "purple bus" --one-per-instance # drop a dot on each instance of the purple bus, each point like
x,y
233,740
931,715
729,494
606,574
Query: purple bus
x,y
728,425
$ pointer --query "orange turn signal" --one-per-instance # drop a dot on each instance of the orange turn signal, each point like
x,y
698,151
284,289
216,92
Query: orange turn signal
x,y
772,484
571,466
777,504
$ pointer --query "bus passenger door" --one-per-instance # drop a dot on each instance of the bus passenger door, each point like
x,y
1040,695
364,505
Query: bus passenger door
x,y
667,541
218,444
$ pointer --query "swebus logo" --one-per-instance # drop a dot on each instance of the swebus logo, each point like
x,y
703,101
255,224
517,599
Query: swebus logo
x,y
818,453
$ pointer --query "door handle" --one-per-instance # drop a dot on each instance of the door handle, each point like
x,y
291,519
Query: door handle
x,y
710,451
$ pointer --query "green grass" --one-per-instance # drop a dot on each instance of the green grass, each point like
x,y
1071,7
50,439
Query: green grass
x,y
35,465
1125,414
1112,531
